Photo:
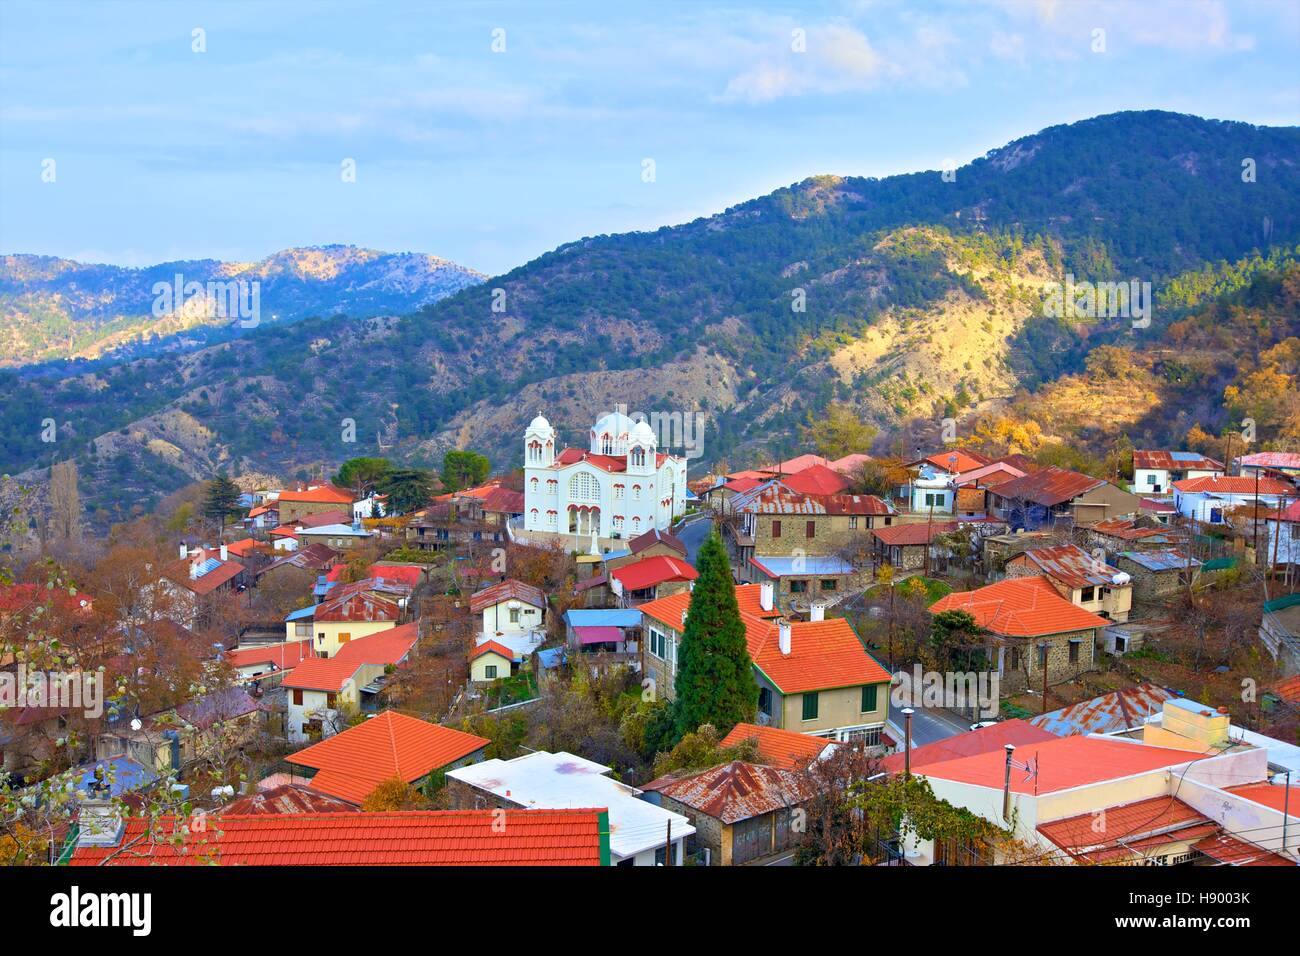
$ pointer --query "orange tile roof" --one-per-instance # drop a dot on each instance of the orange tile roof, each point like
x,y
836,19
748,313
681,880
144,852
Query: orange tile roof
x,y
966,460
351,764
787,749
329,674
1062,764
668,610
411,838
823,654
1020,607
1235,485
1288,689
915,533
326,494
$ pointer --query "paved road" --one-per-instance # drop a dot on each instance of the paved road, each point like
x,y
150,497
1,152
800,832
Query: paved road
x,y
929,724
693,534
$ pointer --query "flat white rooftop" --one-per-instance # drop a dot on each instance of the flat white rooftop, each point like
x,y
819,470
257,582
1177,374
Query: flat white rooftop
x,y
561,781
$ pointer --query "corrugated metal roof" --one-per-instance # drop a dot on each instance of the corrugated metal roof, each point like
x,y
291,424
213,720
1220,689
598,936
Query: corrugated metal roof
x,y
1156,460
1070,565
737,791
1050,486
600,617
1168,559
1109,713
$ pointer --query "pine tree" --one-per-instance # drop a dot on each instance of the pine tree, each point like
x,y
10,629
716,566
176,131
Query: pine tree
x,y
221,500
715,676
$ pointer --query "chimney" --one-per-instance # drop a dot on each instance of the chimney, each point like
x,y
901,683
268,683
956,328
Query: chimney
x,y
817,612
783,635
1006,786
907,741
684,617
185,552
99,821
225,554
765,595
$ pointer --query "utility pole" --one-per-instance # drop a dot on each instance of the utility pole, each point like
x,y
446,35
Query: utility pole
x,y
907,742
668,846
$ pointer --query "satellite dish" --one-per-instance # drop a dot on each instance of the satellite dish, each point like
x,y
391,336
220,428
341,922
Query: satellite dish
x,y
135,723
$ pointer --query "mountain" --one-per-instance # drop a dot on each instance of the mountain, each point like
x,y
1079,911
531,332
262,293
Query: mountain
x,y
911,298
55,309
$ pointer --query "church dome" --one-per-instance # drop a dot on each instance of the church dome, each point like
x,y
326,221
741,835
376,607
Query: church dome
x,y
539,424
616,424
643,434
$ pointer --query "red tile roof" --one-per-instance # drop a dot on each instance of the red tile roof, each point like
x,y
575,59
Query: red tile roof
x,y
411,838
285,655
223,573
351,764
1062,764
983,740
506,591
669,609
322,494
650,572
1288,689
816,480
323,518
1234,485
1232,851
242,548
1123,833
737,791
787,749
492,647
915,533
25,597
408,574
1153,460
1020,607
1048,486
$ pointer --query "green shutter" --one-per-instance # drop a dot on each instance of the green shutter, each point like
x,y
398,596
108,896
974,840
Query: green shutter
x,y
810,706
869,698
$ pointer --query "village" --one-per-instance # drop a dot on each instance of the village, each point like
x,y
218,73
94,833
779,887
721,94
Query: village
x,y
939,658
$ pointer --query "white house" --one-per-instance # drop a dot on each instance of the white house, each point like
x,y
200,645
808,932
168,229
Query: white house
x,y
1282,546
1154,472
513,614
1210,499
618,488
372,506
640,832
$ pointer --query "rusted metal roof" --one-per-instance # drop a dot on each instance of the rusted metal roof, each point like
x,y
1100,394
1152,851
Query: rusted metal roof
x,y
1050,486
737,791
775,499
1155,460
507,590
1127,529
1070,565
1118,711
354,602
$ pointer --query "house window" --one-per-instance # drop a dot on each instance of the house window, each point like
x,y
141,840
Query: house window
x,y
776,529
302,630
765,701
514,615
810,706
329,700
297,697
1151,479
869,698
798,587
1074,650
1121,644
490,671
344,637
828,584
853,523
1015,658
811,530
868,738
1088,594
1042,655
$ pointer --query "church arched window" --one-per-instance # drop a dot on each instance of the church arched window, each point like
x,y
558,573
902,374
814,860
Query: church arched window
x,y
636,492
638,456
532,517
583,487
636,524
619,489
532,485
534,451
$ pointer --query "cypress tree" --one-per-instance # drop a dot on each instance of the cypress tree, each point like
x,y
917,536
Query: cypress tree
x,y
715,677
221,500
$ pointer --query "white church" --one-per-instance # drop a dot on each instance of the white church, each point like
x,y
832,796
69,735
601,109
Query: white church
x,y
620,488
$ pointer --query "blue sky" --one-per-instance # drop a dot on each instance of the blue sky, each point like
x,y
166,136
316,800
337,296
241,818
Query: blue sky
x,y
492,158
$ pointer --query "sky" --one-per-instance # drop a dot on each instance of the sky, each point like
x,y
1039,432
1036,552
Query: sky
x,y
489,133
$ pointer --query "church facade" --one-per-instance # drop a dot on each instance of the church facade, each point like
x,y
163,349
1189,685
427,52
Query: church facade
x,y
620,487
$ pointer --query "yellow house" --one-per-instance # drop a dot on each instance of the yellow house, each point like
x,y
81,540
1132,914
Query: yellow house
x,y
1083,579
490,662
350,612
